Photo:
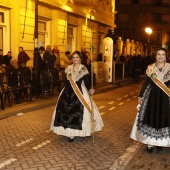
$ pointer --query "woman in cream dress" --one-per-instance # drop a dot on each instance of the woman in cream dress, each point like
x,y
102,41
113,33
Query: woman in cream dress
x,y
73,116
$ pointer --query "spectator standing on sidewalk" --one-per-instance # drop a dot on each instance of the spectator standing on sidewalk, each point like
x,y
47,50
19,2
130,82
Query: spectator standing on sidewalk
x,y
138,66
67,59
22,56
49,58
7,59
56,53
41,51
152,124
72,116
2,65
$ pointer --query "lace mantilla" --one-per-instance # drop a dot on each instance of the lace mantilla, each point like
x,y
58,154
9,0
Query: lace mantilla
x,y
77,74
145,129
163,75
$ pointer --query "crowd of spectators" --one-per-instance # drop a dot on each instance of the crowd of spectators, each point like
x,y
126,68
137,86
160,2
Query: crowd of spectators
x,y
136,65
22,80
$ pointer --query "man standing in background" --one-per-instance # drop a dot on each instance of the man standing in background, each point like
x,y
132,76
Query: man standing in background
x,y
67,59
7,59
22,56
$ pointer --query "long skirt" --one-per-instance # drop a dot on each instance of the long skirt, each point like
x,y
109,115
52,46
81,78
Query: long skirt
x,y
152,123
88,125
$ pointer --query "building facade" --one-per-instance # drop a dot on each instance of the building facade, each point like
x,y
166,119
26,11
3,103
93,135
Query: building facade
x,y
70,24
133,16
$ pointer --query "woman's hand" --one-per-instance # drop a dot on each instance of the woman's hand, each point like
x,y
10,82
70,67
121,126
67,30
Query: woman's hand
x,y
139,100
91,91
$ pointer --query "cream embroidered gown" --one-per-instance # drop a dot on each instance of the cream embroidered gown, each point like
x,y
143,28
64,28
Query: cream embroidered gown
x,y
70,117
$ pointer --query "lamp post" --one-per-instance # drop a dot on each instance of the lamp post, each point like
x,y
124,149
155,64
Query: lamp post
x,y
36,60
148,48
149,32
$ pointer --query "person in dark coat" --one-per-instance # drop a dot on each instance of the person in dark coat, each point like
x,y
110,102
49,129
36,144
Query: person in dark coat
x,y
2,66
138,65
49,58
47,75
13,79
41,51
7,58
22,56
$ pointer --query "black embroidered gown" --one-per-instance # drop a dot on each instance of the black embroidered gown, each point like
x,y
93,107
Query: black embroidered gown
x,y
70,117
152,124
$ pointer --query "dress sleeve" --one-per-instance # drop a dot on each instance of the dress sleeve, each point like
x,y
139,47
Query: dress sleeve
x,y
87,83
147,81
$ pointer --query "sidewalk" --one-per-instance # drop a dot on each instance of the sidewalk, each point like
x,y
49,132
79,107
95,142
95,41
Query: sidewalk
x,y
48,101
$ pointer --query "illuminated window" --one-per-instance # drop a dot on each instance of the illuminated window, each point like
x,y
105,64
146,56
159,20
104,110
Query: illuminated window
x,y
41,33
1,38
4,30
71,38
1,17
1,29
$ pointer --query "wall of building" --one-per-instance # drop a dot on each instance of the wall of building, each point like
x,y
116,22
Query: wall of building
x,y
21,26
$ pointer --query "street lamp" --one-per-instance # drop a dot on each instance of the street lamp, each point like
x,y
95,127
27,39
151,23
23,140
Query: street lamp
x,y
149,32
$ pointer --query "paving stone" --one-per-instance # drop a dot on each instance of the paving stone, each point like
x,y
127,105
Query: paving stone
x,y
83,153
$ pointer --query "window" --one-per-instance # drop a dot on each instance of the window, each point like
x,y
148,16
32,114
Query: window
x,y
157,2
4,30
156,18
156,36
41,33
1,29
1,38
135,1
71,38
1,17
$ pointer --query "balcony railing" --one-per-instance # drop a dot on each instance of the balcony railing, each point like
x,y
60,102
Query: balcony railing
x,y
86,2
160,22
161,4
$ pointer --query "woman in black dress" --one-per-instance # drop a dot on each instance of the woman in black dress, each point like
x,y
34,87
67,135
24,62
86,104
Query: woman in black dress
x,y
152,124
73,115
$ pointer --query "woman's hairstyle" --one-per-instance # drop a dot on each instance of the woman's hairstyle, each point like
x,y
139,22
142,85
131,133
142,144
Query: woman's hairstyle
x,y
76,52
163,49
67,52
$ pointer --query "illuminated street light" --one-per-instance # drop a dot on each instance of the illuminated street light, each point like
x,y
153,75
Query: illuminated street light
x,y
149,32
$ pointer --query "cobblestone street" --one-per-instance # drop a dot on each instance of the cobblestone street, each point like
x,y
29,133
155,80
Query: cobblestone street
x,y
27,143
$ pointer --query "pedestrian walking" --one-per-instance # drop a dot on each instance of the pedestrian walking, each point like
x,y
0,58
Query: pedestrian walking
x,y
152,124
76,115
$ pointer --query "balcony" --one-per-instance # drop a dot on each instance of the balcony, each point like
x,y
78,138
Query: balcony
x,y
147,8
86,3
161,4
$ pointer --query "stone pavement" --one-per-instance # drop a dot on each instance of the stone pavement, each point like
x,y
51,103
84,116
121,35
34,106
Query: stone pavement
x,y
27,144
